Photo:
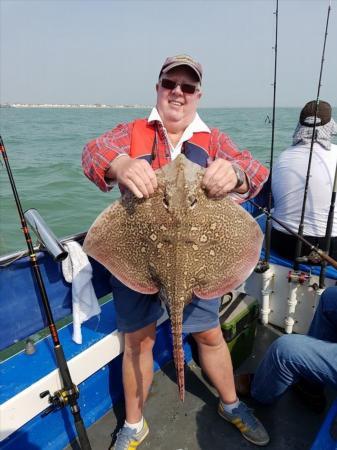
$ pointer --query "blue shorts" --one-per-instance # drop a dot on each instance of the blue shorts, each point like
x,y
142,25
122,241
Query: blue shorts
x,y
135,311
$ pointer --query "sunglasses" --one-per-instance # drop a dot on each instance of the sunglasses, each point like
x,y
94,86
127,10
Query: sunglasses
x,y
185,87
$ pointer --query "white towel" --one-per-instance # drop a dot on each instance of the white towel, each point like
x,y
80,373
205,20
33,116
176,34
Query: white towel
x,y
77,270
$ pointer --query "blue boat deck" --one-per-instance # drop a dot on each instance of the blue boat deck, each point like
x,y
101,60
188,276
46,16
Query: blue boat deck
x,y
195,424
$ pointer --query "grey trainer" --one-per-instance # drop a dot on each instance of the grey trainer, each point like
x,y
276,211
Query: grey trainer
x,y
243,418
128,439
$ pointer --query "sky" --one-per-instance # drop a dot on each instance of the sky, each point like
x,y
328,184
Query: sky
x,y
110,52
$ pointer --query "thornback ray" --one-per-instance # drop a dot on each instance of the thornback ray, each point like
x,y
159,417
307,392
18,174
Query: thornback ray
x,y
178,242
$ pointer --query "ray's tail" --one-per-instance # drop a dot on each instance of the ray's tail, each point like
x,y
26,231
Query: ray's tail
x,y
178,352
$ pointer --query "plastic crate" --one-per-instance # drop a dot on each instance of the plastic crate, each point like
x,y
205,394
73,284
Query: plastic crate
x,y
238,319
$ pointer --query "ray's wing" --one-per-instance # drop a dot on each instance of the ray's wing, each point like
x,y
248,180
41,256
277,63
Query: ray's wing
x,y
122,237
227,243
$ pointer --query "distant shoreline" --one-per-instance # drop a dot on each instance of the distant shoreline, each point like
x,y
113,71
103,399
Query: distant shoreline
x,y
71,105
105,106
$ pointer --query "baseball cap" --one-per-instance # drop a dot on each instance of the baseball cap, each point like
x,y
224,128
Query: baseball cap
x,y
323,113
181,60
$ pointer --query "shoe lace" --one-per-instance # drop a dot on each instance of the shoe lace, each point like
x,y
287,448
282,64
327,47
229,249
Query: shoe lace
x,y
124,436
246,415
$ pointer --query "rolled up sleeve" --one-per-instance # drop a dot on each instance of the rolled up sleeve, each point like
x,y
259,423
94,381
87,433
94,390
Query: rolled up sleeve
x,y
257,174
99,153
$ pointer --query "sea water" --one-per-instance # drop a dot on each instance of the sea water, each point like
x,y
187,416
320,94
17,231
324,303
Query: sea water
x,y
44,149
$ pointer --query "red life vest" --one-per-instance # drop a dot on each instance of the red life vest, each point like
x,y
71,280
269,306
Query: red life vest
x,y
197,149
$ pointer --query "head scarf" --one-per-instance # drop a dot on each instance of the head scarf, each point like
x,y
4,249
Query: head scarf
x,y
323,133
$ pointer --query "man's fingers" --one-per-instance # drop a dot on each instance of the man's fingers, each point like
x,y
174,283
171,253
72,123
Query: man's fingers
x,y
219,178
218,192
143,184
153,179
219,186
139,177
150,180
133,188
209,173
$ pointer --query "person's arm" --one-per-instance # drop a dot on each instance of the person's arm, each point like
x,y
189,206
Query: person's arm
x,y
230,167
135,174
223,177
106,161
99,154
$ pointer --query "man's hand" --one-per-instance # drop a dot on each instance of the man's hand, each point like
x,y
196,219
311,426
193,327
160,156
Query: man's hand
x,y
220,178
135,174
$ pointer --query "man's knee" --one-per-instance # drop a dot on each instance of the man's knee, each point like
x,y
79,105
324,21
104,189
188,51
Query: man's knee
x,y
285,347
211,338
140,341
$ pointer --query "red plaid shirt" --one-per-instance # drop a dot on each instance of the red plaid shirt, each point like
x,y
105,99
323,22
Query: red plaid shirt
x,y
100,152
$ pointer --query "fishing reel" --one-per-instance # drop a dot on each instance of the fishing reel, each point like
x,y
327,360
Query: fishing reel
x,y
297,276
59,399
262,266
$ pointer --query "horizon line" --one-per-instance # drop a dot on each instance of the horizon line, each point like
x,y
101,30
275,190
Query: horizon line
x,y
118,106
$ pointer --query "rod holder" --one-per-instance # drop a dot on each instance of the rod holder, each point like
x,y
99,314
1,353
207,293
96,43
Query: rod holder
x,y
45,235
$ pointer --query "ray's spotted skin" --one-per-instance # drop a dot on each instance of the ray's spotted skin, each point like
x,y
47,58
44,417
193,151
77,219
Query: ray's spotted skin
x,y
178,242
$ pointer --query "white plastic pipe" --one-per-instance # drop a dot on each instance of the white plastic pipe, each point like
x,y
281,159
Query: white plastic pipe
x,y
291,307
266,291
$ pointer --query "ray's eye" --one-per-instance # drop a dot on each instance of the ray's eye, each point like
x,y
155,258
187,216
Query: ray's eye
x,y
193,201
165,202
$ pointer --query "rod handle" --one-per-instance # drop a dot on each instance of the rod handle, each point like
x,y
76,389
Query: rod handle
x,y
328,258
82,434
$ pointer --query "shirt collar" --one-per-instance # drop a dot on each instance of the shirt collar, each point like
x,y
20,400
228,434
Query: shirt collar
x,y
196,126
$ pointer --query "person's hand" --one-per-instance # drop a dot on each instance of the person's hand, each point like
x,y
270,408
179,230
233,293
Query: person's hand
x,y
220,178
135,174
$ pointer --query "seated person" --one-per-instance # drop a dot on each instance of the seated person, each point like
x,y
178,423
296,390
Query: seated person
x,y
310,361
288,182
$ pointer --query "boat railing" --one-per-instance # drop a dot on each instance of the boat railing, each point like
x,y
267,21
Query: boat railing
x,y
21,309
11,257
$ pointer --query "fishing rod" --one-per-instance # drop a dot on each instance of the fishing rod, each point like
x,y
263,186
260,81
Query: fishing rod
x,y
69,394
313,248
265,263
329,225
301,225
328,231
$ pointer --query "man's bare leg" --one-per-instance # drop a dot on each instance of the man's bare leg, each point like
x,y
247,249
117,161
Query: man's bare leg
x,y
216,362
137,370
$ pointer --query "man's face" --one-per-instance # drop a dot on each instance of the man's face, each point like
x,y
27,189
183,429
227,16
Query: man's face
x,y
174,105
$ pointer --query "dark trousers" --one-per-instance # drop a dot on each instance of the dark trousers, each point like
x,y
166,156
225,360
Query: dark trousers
x,y
285,244
293,357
